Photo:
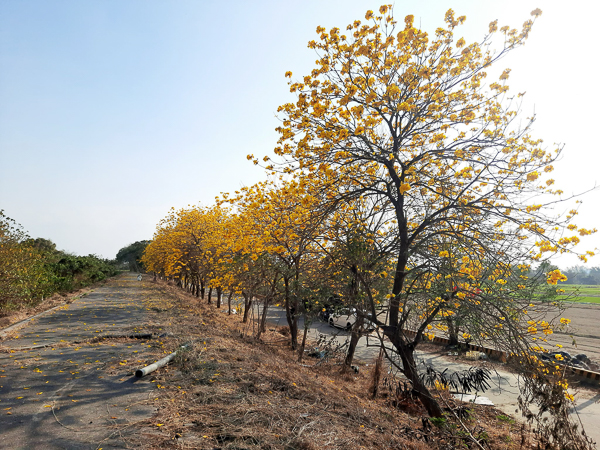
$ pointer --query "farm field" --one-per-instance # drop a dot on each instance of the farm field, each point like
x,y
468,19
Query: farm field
x,y
582,334
586,293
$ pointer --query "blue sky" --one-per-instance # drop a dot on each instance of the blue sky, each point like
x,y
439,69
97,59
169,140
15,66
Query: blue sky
x,y
111,112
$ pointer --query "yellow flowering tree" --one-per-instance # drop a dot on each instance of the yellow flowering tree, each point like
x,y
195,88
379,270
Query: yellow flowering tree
x,y
411,122
283,220
358,263
187,248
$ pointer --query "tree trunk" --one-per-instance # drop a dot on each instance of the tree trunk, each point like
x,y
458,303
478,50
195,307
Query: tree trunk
x,y
229,302
303,345
290,314
452,332
400,273
294,331
202,289
360,320
409,367
263,319
219,293
209,296
356,328
374,388
247,306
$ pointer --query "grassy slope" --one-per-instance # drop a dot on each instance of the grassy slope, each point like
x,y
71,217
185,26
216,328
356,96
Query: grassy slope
x,y
230,391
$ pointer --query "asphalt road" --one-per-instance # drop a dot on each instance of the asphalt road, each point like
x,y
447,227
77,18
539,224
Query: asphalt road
x,y
71,395
505,384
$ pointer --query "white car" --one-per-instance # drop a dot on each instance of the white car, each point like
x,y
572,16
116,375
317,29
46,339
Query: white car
x,y
346,318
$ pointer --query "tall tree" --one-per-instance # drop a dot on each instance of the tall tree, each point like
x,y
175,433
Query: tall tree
x,y
408,120
283,220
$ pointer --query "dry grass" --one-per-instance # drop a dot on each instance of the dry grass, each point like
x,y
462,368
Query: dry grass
x,y
230,391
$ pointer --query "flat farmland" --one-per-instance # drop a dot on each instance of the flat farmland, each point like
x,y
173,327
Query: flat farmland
x,y
582,335
585,293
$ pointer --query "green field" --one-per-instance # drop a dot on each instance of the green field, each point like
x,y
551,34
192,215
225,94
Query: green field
x,y
586,293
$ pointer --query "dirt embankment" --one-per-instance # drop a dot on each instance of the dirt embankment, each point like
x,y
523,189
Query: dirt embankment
x,y
229,390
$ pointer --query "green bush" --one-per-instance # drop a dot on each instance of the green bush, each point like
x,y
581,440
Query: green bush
x,y
74,272
32,268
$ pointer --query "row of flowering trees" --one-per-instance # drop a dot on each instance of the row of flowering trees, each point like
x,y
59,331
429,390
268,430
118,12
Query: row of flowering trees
x,y
404,181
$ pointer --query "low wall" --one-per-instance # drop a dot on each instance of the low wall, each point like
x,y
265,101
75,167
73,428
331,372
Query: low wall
x,y
499,355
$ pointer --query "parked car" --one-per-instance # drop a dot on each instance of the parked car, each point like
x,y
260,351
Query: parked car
x,y
331,304
346,318
326,312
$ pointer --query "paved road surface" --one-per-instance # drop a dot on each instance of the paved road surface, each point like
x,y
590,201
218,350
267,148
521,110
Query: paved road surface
x,y
77,396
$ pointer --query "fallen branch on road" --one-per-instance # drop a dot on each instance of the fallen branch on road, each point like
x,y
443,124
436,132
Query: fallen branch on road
x,y
158,364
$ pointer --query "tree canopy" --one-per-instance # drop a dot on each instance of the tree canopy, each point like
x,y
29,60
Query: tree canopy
x,y
404,180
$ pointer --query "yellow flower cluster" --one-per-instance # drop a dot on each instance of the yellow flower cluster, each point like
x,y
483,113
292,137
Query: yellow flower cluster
x,y
555,276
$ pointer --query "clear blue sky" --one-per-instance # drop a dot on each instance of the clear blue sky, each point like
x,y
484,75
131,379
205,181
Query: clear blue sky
x,y
111,112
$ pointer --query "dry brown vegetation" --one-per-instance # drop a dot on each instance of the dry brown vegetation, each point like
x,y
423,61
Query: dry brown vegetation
x,y
229,391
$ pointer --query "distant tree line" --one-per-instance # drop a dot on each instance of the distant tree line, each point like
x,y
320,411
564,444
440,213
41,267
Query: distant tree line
x,y
582,275
575,274
131,256
31,269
